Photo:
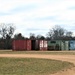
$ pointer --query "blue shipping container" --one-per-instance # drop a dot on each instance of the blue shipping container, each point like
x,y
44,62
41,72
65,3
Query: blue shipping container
x,y
72,45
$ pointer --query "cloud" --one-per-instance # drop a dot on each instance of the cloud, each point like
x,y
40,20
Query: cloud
x,y
37,16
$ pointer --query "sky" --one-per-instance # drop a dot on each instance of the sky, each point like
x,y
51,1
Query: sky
x,y
38,16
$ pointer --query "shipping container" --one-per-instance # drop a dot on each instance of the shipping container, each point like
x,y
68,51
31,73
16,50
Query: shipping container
x,y
33,44
51,45
64,45
25,45
14,44
58,45
54,45
19,45
72,45
67,45
28,45
43,45
37,45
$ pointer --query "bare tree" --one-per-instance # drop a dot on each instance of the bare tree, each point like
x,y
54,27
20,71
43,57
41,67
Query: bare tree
x,y
3,30
69,34
56,32
11,30
32,36
19,36
40,37
6,29
6,32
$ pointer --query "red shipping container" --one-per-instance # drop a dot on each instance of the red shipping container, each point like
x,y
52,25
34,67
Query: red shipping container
x,y
25,44
19,45
22,44
14,45
28,45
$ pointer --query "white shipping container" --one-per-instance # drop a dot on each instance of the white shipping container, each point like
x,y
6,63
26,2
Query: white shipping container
x,y
41,43
45,43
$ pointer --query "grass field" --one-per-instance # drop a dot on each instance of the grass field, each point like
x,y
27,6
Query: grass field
x,y
38,52
31,66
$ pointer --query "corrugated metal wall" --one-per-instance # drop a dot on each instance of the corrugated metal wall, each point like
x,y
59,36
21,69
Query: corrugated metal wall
x,y
28,45
72,45
51,45
25,45
37,45
54,45
43,45
64,45
19,45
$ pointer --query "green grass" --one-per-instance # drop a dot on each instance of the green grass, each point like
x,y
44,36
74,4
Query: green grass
x,y
31,66
38,52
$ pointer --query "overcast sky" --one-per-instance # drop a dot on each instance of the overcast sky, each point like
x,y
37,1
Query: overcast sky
x,y
38,16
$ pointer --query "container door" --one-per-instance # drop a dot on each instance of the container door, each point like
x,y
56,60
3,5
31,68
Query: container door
x,y
17,44
13,45
45,45
25,44
41,44
62,45
22,45
57,47
37,44
49,45
66,45
33,44
28,45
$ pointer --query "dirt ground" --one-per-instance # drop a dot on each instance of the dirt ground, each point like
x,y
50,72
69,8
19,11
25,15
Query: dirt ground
x,y
69,58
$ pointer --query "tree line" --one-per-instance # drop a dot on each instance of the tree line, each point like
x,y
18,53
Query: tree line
x,y
7,31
